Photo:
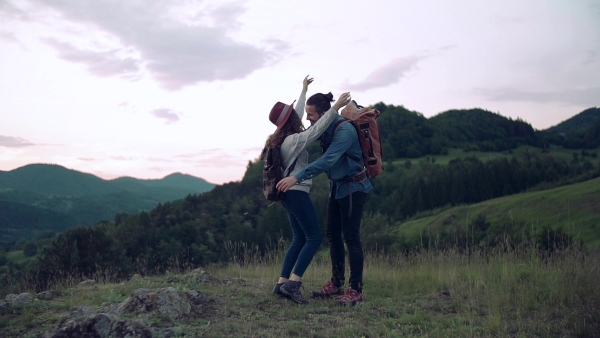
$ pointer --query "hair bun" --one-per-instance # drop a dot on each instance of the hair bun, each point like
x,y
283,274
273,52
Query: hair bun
x,y
329,96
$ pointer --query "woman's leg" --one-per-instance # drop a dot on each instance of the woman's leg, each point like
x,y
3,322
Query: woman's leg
x,y
298,237
305,215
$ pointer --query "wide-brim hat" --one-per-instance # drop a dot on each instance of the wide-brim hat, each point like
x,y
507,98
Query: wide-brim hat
x,y
280,113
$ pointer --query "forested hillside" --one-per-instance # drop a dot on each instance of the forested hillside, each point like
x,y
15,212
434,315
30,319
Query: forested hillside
x,y
201,228
40,197
580,131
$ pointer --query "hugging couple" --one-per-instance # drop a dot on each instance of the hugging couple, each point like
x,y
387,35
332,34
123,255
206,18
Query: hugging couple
x,y
349,187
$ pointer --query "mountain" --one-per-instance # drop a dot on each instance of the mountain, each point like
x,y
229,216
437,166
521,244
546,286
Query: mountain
x,y
579,122
409,134
580,131
40,197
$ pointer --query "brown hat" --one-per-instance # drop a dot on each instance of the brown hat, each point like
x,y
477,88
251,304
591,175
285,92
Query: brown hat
x,y
280,114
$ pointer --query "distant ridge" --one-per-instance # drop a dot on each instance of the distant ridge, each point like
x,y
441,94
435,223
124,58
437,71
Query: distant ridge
x,y
579,122
39,197
58,180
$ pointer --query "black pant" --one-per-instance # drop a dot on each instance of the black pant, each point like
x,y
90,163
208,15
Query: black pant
x,y
341,229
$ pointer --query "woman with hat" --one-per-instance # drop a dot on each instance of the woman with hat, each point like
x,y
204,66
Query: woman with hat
x,y
293,139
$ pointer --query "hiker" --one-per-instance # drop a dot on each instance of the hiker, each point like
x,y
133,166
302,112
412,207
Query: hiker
x,y
294,140
348,191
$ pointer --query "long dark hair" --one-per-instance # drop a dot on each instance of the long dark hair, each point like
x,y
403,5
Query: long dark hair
x,y
292,126
321,102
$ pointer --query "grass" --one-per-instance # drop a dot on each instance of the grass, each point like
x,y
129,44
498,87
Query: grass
x,y
558,152
518,293
574,208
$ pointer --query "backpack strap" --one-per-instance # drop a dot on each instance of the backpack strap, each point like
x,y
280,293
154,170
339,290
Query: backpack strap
x,y
291,168
335,126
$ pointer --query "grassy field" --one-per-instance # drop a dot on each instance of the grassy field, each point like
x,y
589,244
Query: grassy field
x,y
574,207
557,152
520,293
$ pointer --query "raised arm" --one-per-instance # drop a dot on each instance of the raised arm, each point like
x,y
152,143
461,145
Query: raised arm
x,y
302,99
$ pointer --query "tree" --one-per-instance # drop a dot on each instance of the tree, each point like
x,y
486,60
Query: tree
x,y
30,249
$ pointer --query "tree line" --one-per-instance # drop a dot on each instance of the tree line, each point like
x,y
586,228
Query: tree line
x,y
199,229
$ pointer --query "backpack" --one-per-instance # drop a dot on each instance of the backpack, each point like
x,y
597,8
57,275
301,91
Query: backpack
x,y
273,172
364,120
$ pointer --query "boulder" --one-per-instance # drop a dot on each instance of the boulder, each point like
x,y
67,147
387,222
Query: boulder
x,y
168,302
85,322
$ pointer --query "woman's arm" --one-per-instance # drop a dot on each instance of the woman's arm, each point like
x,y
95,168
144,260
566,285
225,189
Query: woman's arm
x,y
302,99
313,133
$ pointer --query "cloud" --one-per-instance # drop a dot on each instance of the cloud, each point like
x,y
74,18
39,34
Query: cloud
x,y
217,158
592,56
14,142
169,115
106,63
386,75
178,46
585,97
392,72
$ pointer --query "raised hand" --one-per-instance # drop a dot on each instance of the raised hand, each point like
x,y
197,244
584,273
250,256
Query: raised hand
x,y
306,82
343,100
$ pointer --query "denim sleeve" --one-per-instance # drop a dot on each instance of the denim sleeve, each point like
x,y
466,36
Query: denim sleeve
x,y
342,140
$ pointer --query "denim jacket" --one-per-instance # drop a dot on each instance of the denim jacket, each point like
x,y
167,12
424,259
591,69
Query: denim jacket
x,y
342,159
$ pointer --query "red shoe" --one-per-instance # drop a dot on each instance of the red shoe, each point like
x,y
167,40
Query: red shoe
x,y
328,290
350,297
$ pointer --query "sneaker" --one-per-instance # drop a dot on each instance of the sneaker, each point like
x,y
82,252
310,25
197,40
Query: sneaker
x,y
277,290
328,290
291,289
350,297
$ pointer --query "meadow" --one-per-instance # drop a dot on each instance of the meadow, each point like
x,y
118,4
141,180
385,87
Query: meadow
x,y
518,292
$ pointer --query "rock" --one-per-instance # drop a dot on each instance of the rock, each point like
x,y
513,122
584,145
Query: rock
x,y
200,275
87,282
168,302
46,295
84,322
198,300
136,278
10,297
23,298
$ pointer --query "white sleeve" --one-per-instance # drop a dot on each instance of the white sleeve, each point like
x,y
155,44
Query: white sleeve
x,y
298,142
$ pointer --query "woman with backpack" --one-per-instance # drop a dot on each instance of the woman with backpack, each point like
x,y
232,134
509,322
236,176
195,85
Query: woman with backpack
x,y
293,140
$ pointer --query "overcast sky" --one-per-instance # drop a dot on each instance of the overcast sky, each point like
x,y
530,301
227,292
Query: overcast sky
x,y
147,88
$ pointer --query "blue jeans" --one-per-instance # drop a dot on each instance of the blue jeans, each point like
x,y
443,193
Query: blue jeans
x,y
306,232
341,229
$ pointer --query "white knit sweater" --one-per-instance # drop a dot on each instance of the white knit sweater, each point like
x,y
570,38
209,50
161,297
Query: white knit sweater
x,y
295,144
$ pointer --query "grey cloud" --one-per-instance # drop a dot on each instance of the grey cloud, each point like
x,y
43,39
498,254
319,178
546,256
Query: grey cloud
x,y
591,57
167,114
8,10
123,158
586,97
14,142
216,158
387,74
99,63
175,53
8,36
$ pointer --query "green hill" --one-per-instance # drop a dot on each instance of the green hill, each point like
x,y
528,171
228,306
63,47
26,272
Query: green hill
x,y
576,123
68,197
580,131
574,208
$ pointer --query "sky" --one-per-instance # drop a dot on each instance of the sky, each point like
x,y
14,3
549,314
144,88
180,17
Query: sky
x,y
148,88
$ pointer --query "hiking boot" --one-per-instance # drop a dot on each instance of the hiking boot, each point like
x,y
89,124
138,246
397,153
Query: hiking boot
x,y
350,297
291,289
277,290
328,290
